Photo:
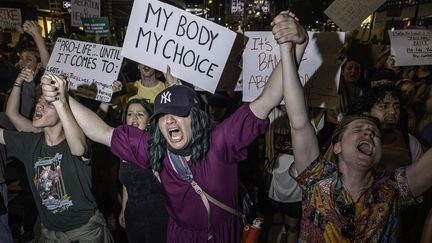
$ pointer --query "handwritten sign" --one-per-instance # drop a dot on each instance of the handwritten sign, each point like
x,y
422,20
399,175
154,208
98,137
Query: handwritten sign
x,y
10,18
411,47
84,9
260,57
349,14
159,34
319,70
96,26
91,68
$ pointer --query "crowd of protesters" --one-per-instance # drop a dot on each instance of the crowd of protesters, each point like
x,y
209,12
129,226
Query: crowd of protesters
x,y
358,172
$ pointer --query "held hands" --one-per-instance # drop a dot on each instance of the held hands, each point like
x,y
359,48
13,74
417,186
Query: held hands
x,y
286,29
54,88
26,75
32,28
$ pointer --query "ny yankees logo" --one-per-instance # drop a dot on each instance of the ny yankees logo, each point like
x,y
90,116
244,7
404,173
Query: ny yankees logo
x,y
166,97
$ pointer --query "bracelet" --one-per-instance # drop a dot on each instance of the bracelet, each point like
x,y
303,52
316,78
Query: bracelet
x,y
17,84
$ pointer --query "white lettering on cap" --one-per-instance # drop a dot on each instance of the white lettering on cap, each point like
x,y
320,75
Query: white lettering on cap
x,y
165,97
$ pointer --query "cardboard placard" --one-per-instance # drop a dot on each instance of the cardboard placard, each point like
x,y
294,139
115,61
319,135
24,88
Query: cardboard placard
x,y
349,14
96,26
84,9
91,68
196,49
319,69
260,57
10,18
411,47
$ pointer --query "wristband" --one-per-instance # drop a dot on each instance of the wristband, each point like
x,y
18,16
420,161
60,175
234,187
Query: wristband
x,y
17,84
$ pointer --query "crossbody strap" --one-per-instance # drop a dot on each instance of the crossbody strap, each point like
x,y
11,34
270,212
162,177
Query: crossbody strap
x,y
177,163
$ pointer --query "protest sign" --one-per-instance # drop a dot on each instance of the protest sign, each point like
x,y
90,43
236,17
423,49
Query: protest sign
x,y
96,26
349,14
319,70
411,47
91,68
197,50
84,9
260,57
10,18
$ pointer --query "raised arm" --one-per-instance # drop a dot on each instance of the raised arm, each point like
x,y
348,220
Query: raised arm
x,y
20,122
419,174
33,29
74,135
304,141
272,93
92,125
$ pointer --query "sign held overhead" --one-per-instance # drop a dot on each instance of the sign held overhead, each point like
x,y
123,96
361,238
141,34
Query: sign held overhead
x,y
197,50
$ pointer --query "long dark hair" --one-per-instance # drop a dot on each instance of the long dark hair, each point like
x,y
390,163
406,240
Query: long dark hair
x,y
143,102
201,126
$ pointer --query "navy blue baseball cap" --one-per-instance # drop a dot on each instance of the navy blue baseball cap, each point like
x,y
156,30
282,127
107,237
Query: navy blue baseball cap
x,y
176,100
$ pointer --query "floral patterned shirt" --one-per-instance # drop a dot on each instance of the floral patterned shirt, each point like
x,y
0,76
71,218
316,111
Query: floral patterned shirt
x,y
330,214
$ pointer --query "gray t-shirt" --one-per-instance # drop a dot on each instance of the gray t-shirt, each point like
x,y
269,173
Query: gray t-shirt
x,y
60,182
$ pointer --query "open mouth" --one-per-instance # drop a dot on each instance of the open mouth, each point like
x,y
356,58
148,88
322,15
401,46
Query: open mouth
x,y
390,119
174,134
37,115
365,148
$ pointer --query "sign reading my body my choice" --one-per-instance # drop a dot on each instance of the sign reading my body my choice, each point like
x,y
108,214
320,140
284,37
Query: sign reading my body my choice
x,y
159,34
411,47
91,68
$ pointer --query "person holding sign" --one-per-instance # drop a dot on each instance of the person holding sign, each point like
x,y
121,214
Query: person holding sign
x,y
190,155
147,87
346,200
54,151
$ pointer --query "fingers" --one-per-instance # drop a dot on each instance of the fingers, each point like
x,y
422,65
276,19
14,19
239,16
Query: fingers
x,y
117,86
287,29
31,27
53,87
122,221
27,74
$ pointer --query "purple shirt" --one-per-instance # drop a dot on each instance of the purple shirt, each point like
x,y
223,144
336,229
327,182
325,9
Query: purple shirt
x,y
216,173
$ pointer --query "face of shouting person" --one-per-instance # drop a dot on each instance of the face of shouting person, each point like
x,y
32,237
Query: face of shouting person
x,y
360,145
45,114
176,130
137,116
387,111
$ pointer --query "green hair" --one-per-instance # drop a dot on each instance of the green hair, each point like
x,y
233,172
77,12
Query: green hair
x,y
201,127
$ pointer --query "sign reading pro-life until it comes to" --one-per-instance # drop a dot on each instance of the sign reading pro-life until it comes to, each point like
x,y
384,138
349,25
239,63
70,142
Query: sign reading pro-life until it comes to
x,y
91,68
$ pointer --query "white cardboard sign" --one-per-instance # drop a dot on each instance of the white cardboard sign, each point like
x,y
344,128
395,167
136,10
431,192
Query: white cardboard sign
x,y
91,68
10,18
84,9
260,57
411,47
196,49
349,14
318,68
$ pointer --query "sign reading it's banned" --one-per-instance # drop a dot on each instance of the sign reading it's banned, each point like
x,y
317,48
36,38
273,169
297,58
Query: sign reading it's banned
x,y
319,70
